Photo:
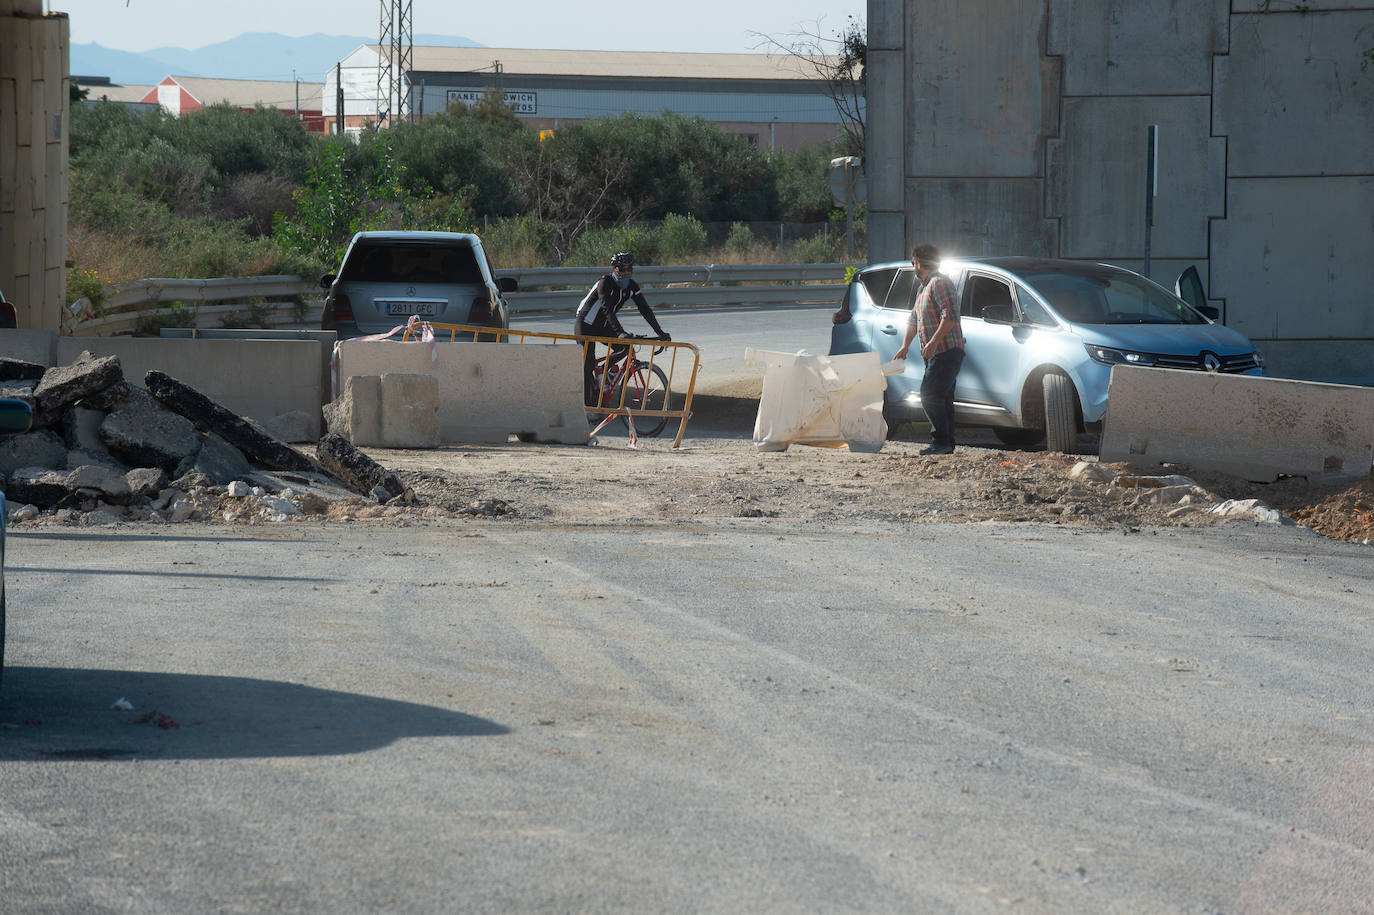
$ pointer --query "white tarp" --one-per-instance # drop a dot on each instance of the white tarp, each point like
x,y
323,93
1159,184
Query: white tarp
x,y
830,401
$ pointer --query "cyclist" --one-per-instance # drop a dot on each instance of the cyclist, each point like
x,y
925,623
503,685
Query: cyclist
x,y
596,315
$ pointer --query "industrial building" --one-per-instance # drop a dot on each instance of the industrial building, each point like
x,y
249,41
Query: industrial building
x,y
772,100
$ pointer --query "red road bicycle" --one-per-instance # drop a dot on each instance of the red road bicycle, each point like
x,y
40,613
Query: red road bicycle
x,y
621,380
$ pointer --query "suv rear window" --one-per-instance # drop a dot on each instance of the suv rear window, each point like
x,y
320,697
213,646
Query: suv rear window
x,y
411,263
876,283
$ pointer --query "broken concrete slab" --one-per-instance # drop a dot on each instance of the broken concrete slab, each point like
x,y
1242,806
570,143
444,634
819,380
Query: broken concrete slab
x,y
356,470
40,448
209,416
317,490
20,370
295,426
218,460
145,482
63,385
40,486
144,433
1248,426
113,397
100,482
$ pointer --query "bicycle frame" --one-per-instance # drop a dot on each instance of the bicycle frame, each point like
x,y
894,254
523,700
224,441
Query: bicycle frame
x,y
619,371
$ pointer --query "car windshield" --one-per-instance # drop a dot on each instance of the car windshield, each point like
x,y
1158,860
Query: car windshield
x,y
1101,295
407,262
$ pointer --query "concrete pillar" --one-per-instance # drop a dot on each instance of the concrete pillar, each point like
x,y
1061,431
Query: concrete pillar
x,y
885,129
34,127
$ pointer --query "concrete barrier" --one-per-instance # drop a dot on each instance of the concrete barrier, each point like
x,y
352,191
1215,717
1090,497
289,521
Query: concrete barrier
x,y
35,346
1252,427
488,392
262,379
395,410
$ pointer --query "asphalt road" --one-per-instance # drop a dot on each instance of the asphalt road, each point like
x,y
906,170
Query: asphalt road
x,y
743,716
720,333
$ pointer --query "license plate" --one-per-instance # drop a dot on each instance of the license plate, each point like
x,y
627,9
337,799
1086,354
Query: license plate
x,y
422,309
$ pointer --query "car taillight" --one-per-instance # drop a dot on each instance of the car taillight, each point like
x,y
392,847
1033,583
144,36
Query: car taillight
x,y
342,310
480,312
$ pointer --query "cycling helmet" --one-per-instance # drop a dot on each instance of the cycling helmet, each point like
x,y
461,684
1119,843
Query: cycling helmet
x,y
623,259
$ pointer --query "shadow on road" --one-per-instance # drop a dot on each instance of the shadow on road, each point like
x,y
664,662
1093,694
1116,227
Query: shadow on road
x,y
49,713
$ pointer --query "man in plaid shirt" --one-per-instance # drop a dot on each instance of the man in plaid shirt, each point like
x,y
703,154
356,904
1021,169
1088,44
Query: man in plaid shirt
x,y
935,320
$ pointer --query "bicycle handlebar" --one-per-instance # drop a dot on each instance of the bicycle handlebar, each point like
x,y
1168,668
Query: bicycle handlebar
x,y
657,349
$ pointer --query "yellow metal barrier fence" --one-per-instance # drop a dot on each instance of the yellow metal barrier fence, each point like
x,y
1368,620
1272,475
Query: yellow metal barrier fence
x,y
622,401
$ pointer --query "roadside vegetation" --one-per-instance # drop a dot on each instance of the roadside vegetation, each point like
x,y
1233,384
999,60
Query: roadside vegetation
x,y
230,193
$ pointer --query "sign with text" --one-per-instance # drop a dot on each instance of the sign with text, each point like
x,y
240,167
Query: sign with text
x,y
519,102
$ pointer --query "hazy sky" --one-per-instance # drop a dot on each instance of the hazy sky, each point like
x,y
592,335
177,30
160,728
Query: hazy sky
x,y
695,25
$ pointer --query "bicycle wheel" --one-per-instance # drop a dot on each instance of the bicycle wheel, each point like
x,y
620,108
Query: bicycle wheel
x,y
648,391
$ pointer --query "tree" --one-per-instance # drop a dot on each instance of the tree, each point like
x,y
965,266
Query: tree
x,y
838,59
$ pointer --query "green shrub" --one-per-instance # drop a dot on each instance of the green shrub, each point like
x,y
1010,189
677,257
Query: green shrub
x,y
594,247
680,238
818,249
740,241
521,242
168,314
85,282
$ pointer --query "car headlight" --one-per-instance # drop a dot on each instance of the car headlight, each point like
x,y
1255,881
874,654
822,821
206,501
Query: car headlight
x,y
1108,356
1259,358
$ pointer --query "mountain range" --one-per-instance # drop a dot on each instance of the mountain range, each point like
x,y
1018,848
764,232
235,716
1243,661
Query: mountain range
x,y
252,55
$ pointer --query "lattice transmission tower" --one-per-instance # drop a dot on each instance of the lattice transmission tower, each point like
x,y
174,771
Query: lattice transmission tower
x,y
397,40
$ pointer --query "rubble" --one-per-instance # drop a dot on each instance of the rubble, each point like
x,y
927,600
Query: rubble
x,y
251,439
358,471
102,451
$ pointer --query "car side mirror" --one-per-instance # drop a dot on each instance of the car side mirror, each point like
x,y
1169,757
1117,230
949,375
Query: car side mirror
x,y
328,280
1210,311
999,314
507,284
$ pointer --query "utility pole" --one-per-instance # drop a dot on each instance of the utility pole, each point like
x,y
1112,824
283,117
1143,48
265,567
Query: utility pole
x,y
396,47
338,100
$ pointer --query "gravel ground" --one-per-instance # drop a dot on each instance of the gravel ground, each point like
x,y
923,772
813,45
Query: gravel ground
x,y
717,473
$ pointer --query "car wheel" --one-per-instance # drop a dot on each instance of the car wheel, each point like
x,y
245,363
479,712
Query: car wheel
x,y
1018,438
1061,421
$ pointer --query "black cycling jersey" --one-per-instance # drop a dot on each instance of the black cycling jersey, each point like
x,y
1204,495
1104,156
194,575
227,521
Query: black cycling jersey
x,y
596,315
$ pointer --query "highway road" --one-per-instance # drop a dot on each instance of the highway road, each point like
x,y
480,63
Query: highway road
x,y
720,333
740,716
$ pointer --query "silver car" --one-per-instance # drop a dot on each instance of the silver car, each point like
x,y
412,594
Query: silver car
x,y
386,277
1040,339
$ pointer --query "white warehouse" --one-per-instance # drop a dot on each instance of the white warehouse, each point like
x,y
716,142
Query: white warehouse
x,y
774,100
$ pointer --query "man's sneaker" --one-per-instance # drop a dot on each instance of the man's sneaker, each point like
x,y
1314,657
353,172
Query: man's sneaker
x,y
938,449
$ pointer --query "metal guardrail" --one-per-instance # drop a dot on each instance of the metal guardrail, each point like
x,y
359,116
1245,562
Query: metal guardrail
x,y
560,288
126,305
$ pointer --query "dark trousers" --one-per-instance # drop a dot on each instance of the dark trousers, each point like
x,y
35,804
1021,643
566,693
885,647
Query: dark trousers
x,y
937,394
595,329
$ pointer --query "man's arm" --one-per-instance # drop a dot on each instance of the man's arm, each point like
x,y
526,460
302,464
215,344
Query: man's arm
x,y
906,342
646,312
945,326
